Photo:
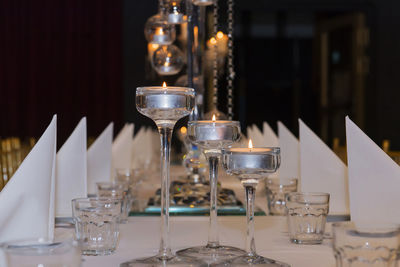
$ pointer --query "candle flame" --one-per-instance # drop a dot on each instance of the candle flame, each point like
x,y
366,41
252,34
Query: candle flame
x,y
220,35
159,31
213,117
250,144
183,130
213,41
164,85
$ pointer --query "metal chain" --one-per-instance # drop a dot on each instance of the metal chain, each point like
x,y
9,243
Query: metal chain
x,y
215,63
231,68
161,7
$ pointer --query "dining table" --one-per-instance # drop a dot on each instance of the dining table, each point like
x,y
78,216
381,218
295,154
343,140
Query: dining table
x,y
140,235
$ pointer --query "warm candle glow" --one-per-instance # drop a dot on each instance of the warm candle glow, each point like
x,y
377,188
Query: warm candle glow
x,y
220,35
250,144
159,31
164,85
183,130
213,117
213,41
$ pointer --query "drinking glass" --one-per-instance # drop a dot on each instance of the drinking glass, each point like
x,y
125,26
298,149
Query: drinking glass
x,y
365,245
307,216
118,190
212,136
41,252
165,106
251,166
96,224
277,190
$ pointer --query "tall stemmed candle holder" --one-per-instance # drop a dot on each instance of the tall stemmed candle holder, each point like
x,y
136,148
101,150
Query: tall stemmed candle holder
x,y
165,106
251,165
212,136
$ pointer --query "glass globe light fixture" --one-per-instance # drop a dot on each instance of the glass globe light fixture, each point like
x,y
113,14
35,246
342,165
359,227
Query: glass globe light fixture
x,y
175,11
158,31
168,60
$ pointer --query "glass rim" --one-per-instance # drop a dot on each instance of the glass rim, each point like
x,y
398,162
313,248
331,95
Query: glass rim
x,y
95,199
217,123
168,89
37,242
254,151
301,197
278,180
367,230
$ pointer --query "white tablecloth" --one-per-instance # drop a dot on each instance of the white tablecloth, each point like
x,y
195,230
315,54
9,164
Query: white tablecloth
x,y
140,238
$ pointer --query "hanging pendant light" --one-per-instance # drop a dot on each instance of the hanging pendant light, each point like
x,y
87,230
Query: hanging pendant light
x,y
168,60
158,31
175,11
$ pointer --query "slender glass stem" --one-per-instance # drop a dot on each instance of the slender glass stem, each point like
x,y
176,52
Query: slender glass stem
x,y
165,134
213,239
250,242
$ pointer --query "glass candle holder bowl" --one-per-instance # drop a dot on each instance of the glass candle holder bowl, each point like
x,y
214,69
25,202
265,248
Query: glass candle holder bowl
x,y
277,189
96,224
307,217
365,246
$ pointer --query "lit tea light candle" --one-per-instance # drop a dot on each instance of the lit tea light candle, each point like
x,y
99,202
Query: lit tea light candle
x,y
256,160
214,134
161,99
160,37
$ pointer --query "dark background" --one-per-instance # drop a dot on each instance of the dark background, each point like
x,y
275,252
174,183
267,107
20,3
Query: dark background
x,y
85,58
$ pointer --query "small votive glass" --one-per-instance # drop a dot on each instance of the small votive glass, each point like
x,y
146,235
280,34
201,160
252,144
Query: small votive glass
x,y
365,246
306,216
117,190
41,252
96,224
277,190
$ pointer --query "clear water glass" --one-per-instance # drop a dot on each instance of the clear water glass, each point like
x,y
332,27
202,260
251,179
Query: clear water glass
x,y
307,217
96,224
118,190
41,252
365,246
277,189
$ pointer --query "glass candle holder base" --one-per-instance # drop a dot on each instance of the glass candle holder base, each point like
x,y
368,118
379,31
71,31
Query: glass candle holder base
x,y
212,254
156,261
247,260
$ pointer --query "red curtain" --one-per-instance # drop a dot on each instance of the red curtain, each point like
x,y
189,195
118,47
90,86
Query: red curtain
x,y
60,57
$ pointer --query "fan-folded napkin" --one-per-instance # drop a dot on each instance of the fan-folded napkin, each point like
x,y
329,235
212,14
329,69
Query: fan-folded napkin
x,y
121,148
99,159
290,153
323,171
374,179
27,201
71,170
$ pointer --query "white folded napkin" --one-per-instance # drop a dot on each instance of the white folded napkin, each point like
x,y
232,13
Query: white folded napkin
x,y
323,171
71,170
121,148
270,138
290,153
258,138
99,159
27,201
374,179
145,148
